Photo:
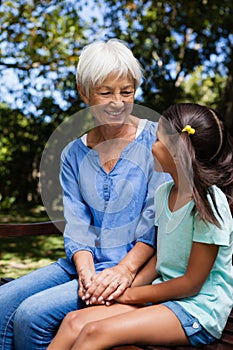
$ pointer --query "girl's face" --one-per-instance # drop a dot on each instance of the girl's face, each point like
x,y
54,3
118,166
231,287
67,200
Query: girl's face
x,y
112,101
162,152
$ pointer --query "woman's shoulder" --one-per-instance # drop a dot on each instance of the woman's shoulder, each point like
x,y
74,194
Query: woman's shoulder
x,y
72,148
147,130
150,124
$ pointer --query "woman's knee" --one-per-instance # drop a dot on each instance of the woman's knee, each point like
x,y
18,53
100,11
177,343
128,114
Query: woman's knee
x,y
29,315
24,314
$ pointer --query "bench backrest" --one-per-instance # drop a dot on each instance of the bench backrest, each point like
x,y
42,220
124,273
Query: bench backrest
x,y
32,229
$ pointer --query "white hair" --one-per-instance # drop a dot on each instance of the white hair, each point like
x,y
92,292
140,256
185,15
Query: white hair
x,y
99,59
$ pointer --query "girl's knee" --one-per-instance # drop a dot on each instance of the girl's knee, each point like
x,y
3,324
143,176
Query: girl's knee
x,y
74,321
92,330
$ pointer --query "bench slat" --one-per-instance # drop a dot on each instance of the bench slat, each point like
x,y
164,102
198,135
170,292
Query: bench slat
x,y
31,229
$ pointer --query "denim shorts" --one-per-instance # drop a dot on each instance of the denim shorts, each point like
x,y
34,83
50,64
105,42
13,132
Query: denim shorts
x,y
195,332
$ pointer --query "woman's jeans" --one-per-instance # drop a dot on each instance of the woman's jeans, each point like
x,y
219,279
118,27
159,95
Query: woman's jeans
x,y
33,306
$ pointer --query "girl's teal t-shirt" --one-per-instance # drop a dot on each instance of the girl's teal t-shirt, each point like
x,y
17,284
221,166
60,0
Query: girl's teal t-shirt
x,y
176,232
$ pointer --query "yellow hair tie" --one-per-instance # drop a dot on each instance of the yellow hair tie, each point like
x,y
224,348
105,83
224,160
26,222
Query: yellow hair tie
x,y
189,130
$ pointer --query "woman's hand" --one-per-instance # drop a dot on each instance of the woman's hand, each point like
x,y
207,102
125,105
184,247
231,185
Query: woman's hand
x,y
85,267
85,279
108,285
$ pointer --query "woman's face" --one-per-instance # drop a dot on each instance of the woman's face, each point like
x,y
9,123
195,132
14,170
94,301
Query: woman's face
x,y
112,101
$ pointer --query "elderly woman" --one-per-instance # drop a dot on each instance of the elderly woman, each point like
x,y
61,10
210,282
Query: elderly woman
x,y
108,185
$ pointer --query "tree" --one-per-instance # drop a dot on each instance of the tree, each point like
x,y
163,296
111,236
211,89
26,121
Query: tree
x,y
40,41
185,48
17,143
172,39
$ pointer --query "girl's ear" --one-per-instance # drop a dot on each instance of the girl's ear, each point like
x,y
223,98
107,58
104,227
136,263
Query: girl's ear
x,y
83,94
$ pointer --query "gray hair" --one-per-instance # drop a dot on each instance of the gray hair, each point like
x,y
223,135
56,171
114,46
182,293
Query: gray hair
x,y
99,59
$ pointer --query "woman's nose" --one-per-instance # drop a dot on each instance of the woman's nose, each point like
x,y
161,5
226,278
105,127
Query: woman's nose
x,y
117,98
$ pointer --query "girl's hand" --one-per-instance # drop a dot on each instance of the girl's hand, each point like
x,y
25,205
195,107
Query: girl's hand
x,y
122,299
126,298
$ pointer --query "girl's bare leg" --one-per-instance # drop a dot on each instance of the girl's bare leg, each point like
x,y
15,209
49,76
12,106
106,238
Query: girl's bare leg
x,y
74,322
154,325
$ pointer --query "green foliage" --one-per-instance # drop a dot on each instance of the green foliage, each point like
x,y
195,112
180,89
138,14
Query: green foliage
x,y
41,42
21,145
203,90
171,39
184,46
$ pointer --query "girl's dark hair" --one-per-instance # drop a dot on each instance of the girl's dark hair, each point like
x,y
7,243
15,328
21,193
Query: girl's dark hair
x,y
210,149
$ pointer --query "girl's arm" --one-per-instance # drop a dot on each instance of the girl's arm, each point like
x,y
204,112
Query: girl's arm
x,y
147,273
201,261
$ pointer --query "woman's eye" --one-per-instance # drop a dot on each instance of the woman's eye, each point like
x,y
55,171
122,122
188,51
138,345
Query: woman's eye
x,y
127,93
105,93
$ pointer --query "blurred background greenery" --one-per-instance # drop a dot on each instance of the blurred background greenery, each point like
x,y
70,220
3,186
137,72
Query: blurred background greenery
x,y
185,47
20,255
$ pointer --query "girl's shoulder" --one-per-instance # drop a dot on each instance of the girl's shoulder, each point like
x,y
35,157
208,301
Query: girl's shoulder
x,y
221,202
162,192
210,233
165,187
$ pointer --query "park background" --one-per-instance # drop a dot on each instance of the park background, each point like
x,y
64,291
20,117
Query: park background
x,y
185,47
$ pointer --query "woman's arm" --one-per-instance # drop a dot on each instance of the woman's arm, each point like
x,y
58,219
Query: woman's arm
x,y
201,261
78,234
85,267
112,282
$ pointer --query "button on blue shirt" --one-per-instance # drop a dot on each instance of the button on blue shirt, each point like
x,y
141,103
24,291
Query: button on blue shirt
x,y
107,213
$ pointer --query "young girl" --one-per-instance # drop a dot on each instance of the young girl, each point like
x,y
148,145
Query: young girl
x,y
190,298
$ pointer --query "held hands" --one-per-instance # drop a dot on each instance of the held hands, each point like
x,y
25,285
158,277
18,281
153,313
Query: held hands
x,y
85,278
106,286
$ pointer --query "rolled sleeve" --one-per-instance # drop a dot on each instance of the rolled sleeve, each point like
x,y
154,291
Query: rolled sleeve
x,y
79,233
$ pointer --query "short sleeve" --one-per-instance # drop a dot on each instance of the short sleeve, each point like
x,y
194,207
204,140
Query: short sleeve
x,y
210,233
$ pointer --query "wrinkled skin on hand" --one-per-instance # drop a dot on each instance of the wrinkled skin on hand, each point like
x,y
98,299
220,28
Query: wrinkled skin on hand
x,y
106,286
85,279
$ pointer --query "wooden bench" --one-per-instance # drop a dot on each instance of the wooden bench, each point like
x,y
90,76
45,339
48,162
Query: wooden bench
x,y
50,228
31,229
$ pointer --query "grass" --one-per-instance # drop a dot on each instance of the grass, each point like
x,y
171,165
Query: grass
x,y
20,255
